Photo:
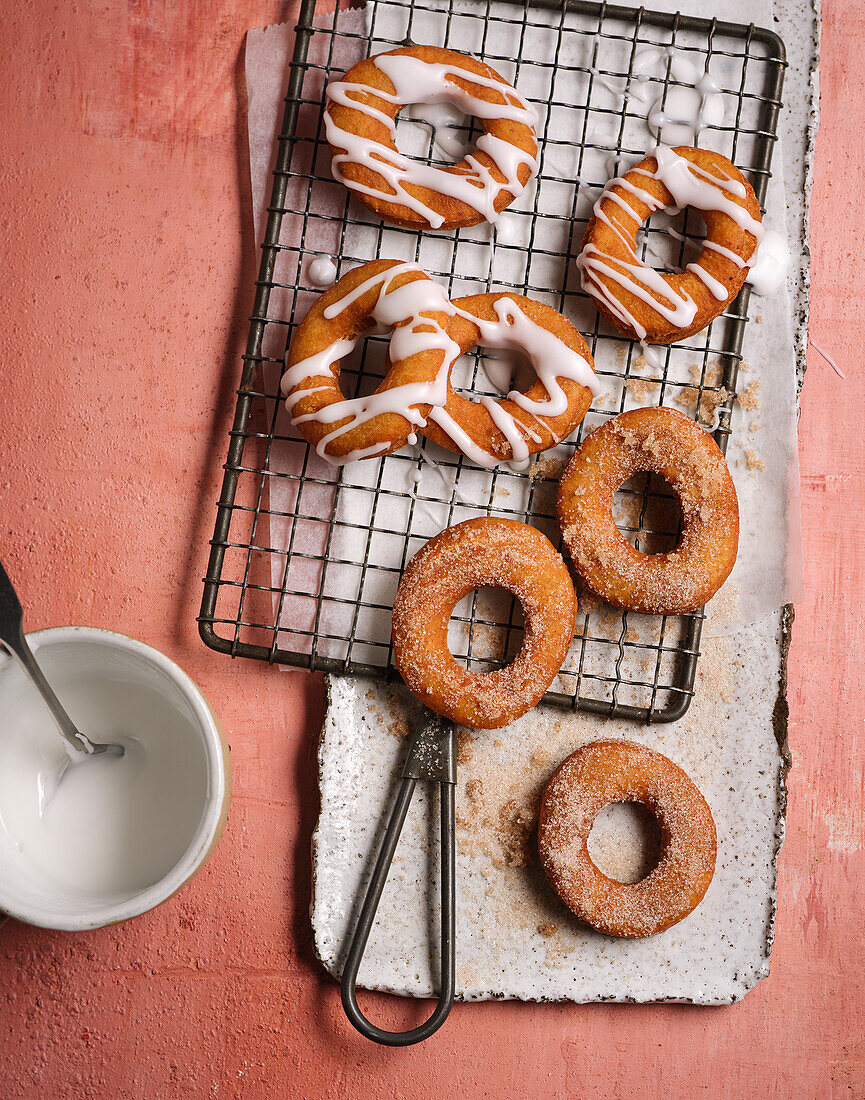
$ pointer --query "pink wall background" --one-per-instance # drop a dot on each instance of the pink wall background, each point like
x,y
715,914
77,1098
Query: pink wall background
x,y
127,258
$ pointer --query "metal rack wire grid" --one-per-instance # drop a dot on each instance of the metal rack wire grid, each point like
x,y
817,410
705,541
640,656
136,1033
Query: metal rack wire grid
x,y
306,557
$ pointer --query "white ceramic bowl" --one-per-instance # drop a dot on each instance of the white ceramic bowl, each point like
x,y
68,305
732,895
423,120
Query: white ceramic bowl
x,y
172,810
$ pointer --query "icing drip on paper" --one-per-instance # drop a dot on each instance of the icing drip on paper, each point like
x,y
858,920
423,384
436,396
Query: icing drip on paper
x,y
417,81
693,103
415,303
322,271
653,358
768,266
447,475
687,111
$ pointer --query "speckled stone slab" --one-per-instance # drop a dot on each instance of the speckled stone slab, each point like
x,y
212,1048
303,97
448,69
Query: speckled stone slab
x,y
515,939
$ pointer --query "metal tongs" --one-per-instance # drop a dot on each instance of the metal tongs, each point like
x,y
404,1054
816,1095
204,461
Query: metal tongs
x,y
431,757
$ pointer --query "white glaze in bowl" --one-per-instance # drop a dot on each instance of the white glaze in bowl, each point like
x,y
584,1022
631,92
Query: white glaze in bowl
x,y
118,837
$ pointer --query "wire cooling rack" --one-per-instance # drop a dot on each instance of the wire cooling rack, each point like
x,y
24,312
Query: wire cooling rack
x,y
305,558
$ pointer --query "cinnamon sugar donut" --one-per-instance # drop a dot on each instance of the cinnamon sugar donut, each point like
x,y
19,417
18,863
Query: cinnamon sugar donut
x,y
499,553
595,776
646,304
665,442
388,294
489,431
359,123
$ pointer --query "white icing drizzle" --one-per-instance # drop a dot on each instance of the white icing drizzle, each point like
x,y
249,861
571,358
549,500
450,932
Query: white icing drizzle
x,y
462,439
691,185
715,423
642,281
410,302
448,476
688,185
416,303
509,230
418,81
716,288
602,79
689,108
728,252
551,359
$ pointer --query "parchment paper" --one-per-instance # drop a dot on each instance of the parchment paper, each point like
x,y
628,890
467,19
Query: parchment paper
x,y
762,453
515,938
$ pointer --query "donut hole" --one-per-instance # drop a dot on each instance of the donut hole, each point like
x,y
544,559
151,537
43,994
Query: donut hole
x,y
363,369
492,371
625,841
485,631
647,512
435,133
671,239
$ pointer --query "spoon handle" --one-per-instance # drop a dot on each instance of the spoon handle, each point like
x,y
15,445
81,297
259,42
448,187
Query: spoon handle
x,y
12,636
10,610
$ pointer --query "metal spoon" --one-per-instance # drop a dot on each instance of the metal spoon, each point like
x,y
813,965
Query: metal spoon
x,y
12,636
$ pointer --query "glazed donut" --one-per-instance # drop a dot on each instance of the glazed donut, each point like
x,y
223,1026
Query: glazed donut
x,y
664,442
478,553
641,302
384,294
604,772
489,431
360,128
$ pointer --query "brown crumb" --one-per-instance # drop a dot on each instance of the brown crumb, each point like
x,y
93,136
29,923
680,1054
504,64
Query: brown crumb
x,y
475,792
641,388
548,928
750,397
465,748
540,758
515,826
751,460
713,374
686,399
398,728
547,466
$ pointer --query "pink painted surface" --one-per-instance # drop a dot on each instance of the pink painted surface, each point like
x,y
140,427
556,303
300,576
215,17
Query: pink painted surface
x,y
128,258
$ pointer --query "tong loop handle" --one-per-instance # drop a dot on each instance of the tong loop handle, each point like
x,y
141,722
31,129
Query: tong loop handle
x,y
370,906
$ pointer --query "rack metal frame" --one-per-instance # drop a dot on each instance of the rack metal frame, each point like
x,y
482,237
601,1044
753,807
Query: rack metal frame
x,y
243,605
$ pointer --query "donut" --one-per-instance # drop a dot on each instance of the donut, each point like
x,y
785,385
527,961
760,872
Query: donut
x,y
382,294
646,304
489,431
479,553
360,128
662,441
591,778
